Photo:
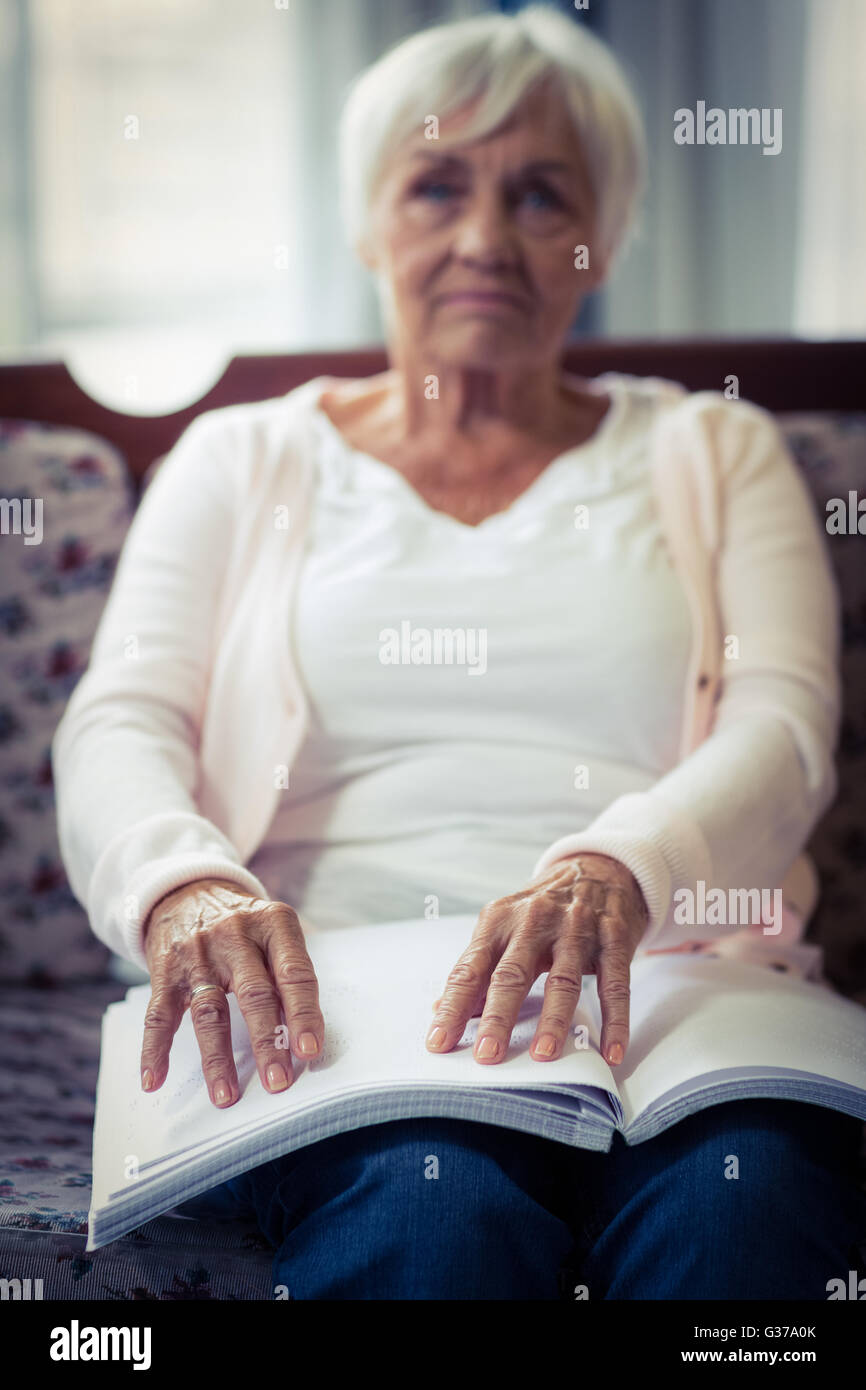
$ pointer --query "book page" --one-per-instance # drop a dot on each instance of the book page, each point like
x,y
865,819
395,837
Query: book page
x,y
377,988
692,1016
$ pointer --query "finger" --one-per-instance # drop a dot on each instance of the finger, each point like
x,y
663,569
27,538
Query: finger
x,y
477,1008
480,1004
165,1010
465,984
212,1023
297,986
509,985
613,970
261,1007
561,995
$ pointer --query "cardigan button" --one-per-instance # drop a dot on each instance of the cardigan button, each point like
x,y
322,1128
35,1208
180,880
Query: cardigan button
x,y
703,681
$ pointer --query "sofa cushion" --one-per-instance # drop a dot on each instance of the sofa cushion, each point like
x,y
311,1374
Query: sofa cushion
x,y
831,451
49,1042
52,590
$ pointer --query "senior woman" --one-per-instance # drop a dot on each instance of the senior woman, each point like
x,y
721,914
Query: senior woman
x,y
492,170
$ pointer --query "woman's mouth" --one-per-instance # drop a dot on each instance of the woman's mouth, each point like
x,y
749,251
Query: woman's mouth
x,y
483,299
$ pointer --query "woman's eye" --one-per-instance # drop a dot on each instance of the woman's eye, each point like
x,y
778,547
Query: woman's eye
x,y
541,198
536,197
436,190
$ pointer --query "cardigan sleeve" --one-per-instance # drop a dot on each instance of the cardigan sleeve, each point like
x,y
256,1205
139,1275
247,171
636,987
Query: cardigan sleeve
x,y
738,810
124,755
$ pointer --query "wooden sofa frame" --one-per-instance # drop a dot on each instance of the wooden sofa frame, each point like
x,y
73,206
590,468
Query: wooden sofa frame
x,y
785,374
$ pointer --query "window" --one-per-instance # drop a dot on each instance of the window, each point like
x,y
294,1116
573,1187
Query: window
x,y
162,166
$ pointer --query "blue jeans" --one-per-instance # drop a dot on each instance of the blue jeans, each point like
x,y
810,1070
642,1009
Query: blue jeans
x,y
445,1209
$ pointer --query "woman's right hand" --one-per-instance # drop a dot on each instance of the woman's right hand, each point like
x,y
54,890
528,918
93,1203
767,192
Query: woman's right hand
x,y
213,932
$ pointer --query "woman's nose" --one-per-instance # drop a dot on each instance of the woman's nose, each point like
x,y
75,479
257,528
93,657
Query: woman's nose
x,y
485,231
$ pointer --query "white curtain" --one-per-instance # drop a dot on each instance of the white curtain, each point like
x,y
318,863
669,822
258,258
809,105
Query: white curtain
x,y
830,284
718,250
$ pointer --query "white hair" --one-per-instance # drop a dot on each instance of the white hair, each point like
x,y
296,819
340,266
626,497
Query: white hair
x,y
497,58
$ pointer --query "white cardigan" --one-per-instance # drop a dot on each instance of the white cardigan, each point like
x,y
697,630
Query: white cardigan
x,y
161,777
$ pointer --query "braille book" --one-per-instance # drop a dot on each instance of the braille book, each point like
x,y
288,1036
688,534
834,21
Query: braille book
x,y
704,1029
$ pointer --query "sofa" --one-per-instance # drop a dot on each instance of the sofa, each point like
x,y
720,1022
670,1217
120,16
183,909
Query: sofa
x,y
87,466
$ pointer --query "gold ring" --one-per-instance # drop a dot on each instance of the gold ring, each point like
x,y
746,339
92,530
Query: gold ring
x,y
200,989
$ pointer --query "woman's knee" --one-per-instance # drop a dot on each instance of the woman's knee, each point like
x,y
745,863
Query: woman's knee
x,y
419,1208
459,1170
754,1199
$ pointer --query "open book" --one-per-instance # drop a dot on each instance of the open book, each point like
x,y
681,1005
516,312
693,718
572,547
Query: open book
x,y
703,1030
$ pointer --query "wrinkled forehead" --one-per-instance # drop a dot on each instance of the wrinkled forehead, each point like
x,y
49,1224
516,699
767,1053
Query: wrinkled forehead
x,y
537,136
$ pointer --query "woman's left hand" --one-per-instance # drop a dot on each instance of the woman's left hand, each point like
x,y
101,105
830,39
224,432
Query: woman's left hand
x,y
585,915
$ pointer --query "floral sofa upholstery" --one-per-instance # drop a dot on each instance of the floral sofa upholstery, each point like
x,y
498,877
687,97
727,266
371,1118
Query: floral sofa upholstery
x,y
55,977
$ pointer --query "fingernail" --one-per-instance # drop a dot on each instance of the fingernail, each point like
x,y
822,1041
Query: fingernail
x,y
488,1047
277,1079
221,1093
546,1046
614,1054
146,1079
436,1037
308,1043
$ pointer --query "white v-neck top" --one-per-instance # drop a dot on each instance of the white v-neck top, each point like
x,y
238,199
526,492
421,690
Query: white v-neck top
x,y
475,692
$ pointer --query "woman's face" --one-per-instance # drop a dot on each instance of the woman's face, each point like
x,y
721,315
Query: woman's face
x,y
474,245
